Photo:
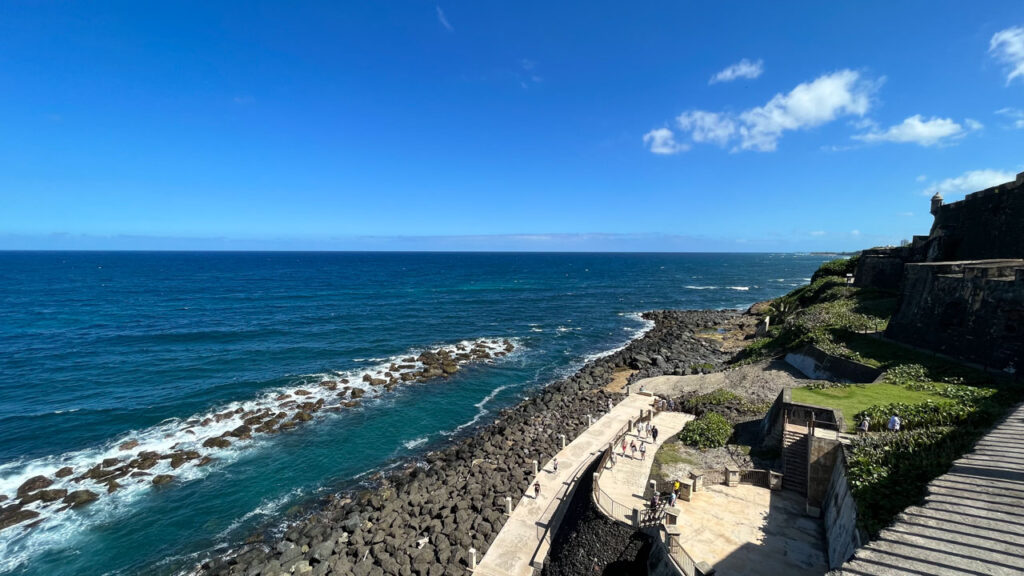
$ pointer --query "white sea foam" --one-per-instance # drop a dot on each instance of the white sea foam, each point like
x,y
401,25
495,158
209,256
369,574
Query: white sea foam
x,y
410,444
690,287
266,508
741,288
55,529
481,411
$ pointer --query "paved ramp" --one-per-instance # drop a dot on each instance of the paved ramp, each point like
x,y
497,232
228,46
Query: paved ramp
x,y
525,536
972,521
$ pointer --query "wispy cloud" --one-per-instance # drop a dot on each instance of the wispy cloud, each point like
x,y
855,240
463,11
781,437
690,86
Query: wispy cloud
x,y
1007,46
443,19
1015,115
663,141
742,69
922,131
970,181
817,233
527,73
808,105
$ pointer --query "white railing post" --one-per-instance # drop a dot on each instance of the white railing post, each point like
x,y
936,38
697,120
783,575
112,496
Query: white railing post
x,y
508,504
563,440
472,558
535,471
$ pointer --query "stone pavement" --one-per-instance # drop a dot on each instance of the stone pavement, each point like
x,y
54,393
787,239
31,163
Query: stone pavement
x,y
625,480
524,535
972,521
752,530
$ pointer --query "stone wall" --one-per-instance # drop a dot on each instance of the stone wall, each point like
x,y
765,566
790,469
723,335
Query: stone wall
x,y
820,365
839,513
972,310
984,225
822,451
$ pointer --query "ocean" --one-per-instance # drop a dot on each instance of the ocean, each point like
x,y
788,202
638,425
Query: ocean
x,y
98,349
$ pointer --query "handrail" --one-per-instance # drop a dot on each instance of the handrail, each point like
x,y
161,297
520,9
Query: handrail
x,y
544,530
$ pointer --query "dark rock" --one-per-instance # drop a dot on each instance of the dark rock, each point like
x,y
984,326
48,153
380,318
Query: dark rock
x,y
32,484
216,443
10,518
64,472
80,498
160,479
128,445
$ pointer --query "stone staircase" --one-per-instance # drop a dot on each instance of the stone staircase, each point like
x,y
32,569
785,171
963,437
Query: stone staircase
x,y
794,457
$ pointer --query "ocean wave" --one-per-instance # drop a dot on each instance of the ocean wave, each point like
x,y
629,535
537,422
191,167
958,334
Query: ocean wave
x,y
690,287
410,444
201,443
741,288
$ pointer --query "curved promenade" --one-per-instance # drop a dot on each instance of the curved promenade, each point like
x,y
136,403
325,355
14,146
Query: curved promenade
x,y
522,543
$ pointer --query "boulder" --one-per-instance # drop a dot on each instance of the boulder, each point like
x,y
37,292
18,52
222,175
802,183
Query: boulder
x,y
160,479
358,392
128,445
80,498
302,417
32,484
65,472
301,392
110,462
216,443
11,517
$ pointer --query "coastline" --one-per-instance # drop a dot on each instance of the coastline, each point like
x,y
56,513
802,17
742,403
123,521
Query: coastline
x,y
454,497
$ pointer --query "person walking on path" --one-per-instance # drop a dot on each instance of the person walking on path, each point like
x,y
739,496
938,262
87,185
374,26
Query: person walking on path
x,y
632,449
554,465
654,434
672,499
536,490
643,451
675,487
865,424
623,447
894,423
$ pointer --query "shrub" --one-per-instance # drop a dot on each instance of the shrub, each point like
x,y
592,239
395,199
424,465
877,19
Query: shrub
x,y
709,431
905,374
914,416
840,268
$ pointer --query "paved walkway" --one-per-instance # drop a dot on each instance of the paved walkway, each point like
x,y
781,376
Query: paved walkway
x,y
513,550
751,530
625,480
972,521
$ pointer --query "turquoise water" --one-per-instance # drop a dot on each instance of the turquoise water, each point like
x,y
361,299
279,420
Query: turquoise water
x,y
100,348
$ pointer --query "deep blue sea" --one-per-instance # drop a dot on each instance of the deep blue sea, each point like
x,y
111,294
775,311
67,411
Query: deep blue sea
x,y
101,348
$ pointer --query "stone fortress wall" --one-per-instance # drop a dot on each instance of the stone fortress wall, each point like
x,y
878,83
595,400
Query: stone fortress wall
x,y
962,286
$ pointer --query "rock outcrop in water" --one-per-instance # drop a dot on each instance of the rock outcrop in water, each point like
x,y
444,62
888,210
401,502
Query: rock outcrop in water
x,y
423,519
276,414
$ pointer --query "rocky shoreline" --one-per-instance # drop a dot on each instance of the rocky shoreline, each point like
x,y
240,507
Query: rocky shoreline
x,y
424,518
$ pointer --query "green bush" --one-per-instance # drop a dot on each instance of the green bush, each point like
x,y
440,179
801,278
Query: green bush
x,y
840,268
915,416
888,472
709,431
905,374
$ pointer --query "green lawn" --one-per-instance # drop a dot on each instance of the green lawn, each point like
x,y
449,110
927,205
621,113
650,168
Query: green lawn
x,y
853,399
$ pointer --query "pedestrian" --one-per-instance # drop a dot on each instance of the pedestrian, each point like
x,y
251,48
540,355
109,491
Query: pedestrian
x,y
632,449
865,424
675,487
554,464
643,451
894,423
654,434
536,490
623,445
648,431
654,501
672,499
639,428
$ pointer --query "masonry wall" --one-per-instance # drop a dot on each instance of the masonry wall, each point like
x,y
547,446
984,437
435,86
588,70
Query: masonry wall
x,y
975,318
839,514
984,225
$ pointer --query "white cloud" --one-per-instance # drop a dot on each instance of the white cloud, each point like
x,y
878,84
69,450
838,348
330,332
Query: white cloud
x,y
1016,116
742,69
811,104
970,181
663,141
921,178
817,233
918,130
443,19
972,124
854,232
1008,46
707,126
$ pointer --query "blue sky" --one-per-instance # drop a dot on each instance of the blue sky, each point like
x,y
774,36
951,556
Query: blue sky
x,y
680,126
